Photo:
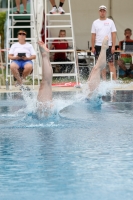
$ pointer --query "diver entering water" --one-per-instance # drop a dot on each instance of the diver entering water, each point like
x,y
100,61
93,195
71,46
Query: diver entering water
x,y
94,77
45,90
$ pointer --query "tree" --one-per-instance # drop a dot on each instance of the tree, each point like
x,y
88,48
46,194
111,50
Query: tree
x,y
2,21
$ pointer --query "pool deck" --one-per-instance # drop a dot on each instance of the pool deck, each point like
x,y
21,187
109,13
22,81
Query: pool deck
x,y
54,89
61,89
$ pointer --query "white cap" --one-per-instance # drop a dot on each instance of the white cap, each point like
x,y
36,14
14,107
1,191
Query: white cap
x,y
102,7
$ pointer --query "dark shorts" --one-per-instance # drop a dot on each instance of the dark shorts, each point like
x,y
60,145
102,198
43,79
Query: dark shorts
x,y
109,55
123,73
22,63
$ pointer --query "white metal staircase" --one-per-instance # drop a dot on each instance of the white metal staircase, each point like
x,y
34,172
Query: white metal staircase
x,y
59,21
12,20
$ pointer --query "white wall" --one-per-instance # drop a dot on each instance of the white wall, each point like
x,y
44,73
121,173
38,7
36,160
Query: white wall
x,y
84,12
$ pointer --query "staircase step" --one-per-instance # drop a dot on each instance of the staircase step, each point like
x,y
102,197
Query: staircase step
x,y
58,14
62,50
59,26
64,74
56,63
24,15
59,38
21,26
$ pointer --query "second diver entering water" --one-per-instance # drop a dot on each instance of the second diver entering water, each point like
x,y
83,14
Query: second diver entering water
x,y
94,77
45,90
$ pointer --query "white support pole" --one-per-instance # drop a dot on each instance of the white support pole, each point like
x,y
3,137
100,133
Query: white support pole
x,y
45,20
111,76
74,46
7,46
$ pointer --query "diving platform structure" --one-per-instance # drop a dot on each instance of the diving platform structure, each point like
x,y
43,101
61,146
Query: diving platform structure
x,y
40,25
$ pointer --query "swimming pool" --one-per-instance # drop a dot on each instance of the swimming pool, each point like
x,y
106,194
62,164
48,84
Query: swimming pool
x,y
85,152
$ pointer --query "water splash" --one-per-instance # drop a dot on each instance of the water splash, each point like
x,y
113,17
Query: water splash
x,y
39,112
60,102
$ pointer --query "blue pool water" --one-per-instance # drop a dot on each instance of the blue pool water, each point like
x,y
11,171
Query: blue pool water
x,y
81,152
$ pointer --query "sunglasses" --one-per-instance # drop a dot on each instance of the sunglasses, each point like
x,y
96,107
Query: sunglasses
x,y
21,33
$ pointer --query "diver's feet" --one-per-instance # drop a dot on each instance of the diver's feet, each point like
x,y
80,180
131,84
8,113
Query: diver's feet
x,y
42,47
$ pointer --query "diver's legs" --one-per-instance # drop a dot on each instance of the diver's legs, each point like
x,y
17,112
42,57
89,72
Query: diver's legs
x,y
45,90
94,78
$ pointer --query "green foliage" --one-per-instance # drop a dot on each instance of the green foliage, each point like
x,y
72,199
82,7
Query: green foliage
x,y
2,21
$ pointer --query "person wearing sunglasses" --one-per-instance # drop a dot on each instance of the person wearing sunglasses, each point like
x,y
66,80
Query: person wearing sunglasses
x,y
21,55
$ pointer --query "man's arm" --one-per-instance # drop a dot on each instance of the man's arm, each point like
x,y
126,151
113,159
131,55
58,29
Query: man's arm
x,y
113,41
12,57
93,38
29,58
52,47
11,53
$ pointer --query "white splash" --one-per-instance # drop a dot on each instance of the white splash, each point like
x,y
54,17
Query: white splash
x,y
58,103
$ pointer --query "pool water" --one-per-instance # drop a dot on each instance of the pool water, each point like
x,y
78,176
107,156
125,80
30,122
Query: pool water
x,y
80,152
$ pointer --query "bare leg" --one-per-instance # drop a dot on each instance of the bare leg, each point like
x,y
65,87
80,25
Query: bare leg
x,y
14,69
121,64
53,2
94,78
104,74
18,5
123,67
27,70
62,1
45,90
131,68
24,4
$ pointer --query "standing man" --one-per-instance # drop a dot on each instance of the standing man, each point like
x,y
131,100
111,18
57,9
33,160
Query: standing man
x,y
100,28
21,55
55,9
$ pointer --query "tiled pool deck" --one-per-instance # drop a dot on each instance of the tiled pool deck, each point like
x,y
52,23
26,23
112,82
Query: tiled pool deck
x,y
59,89
54,89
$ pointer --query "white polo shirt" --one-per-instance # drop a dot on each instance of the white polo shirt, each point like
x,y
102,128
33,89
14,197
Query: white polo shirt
x,y
22,48
103,28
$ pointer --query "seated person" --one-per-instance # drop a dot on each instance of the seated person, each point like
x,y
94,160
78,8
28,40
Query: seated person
x,y
61,56
125,58
21,54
